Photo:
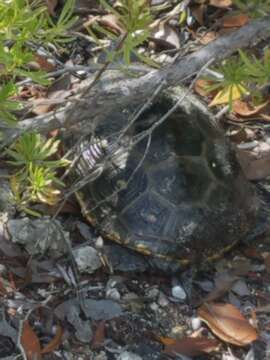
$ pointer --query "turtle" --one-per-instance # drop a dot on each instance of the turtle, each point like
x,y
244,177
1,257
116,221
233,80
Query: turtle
x,y
168,188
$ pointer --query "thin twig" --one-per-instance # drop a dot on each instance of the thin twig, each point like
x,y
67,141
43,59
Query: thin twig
x,y
112,97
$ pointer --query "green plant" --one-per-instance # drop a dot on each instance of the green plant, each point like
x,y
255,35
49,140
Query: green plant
x,y
134,18
57,32
232,83
32,148
254,8
23,21
41,186
36,179
7,106
257,70
22,24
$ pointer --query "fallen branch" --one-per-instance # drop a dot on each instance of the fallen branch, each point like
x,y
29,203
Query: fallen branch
x,y
112,94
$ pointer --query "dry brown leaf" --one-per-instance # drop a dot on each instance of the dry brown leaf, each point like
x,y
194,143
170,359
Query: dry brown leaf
x,y
223,284
51,4
242,135
62,83
200,87
111,22
235,20
227,323
191,346
55,342
99,335
198,12
44,64
254,168
253,253
165,36
221,3
208,37
42,106
246,109
30,342
233,92
166,340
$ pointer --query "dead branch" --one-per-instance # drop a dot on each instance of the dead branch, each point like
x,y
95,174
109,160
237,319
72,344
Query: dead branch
x,y
114,93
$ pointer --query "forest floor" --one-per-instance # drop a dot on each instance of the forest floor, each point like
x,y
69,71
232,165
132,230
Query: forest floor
x,y
56,308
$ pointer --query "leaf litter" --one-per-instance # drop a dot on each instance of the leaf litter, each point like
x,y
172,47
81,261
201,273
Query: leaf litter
x,y
97,319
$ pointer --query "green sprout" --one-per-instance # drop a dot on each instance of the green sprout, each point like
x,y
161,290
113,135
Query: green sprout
x,y
36,179
134,18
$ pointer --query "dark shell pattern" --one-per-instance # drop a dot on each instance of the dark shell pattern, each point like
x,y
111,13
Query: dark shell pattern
x,y
179,194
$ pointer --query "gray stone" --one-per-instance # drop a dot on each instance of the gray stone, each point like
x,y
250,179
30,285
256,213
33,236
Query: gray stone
x,y
154,306
113,294
126,355
101,309
70,310
39,235
163,300
87,259
152,293
83,329
7,204
178,292
240,288
196,323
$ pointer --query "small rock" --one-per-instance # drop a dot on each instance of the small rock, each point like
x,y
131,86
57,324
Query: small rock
x,y
130,297
83,329
114,281
258,268
70,310
206,285
85,230
133,302
126,355
87,259
3,269
39,235
195,323
163,300
112,287
240,288
6,198
101,309
152,293
154,306
113,294
101,356
99,243
178,331
178,292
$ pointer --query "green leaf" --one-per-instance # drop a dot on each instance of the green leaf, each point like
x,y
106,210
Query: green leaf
x,y
134,18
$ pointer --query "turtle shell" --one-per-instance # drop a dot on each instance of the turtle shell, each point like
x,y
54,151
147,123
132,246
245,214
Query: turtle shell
x,y
175,192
